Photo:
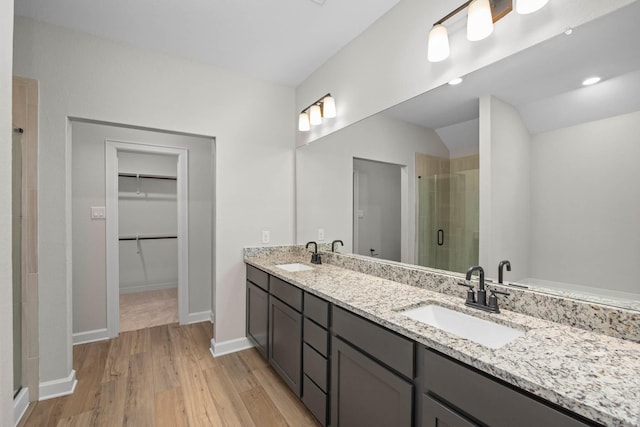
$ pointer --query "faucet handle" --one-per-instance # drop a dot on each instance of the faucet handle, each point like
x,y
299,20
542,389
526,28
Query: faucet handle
x,y
493,299
471,296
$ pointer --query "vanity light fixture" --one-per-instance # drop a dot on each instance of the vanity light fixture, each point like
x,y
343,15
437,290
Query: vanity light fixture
x,y
481,15
324,107
590,81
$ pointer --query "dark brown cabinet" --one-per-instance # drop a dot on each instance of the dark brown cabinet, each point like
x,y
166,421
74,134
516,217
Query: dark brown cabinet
x,y
258,317
438,415
285,342
366,393
479,399
258,308
315,357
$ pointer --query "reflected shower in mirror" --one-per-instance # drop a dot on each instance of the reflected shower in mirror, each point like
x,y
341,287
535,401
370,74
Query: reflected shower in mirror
x,y
554,176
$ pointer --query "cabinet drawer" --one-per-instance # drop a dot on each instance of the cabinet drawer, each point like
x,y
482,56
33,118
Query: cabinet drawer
x,y
315,366
486,399
315,400
316,337
437,415
286,292
258,277
384,345
316,309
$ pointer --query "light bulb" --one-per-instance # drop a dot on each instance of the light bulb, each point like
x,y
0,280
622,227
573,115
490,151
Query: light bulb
x,y
328,107
303,122
315,116
529,6
438,46
479,20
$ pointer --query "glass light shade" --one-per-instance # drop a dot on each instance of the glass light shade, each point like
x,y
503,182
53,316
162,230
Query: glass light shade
x,y
479,20
529,6
303,122
438,47
315,116
328,107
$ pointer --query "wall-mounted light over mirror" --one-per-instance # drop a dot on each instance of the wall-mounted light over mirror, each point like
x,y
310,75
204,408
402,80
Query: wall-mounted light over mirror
x,y
324,107
481,15
528,165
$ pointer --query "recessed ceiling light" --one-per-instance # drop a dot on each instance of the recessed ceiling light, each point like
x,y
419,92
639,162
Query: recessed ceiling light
x,y
568,31
455,81
590,81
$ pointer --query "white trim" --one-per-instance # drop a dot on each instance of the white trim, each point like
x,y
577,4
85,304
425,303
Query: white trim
x,y
59,387
20,405
145,288
90,336
111,169
231,346
203,316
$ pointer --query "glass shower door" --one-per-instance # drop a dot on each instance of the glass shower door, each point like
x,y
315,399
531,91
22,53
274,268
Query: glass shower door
x,y
16,203
447,218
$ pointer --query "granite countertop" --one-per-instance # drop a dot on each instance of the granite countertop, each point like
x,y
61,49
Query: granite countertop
x,y
591,374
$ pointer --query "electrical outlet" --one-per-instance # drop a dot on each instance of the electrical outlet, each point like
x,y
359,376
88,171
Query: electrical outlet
x,y
265,236
320,234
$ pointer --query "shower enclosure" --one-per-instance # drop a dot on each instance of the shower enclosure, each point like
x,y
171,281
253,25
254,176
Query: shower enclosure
x,y
448,214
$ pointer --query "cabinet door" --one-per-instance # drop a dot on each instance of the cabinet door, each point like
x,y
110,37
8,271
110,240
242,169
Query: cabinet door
x,y
435,414
285,342
257,317
364,393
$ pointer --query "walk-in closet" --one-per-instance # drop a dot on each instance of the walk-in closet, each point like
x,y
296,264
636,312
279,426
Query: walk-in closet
x,y
147,230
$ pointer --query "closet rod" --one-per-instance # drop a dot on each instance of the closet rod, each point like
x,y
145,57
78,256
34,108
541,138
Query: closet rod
x,y
150,237
144,175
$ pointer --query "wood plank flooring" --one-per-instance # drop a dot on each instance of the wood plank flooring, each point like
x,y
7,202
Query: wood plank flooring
x,y
146,309
166,376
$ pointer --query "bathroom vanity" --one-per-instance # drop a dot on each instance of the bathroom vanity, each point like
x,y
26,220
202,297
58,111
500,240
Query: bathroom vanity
x,y
340,340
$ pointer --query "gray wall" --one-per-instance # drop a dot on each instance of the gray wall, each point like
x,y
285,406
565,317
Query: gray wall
x,y
88,189
148,206
585,200
505,151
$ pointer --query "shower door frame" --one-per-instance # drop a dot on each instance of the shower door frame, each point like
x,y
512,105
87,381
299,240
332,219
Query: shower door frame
x,y
113,244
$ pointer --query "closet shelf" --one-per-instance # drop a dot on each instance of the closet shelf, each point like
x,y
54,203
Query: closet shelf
x,y
144,175
148,237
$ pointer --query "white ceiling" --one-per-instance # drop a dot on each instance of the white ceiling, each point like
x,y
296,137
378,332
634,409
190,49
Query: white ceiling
x,y
277,40
544,81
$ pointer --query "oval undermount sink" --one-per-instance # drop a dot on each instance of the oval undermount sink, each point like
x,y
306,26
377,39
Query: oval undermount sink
x,y
481,331
296,266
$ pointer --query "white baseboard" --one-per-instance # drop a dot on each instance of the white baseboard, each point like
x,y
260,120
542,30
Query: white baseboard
x,y
90,336
226,347
150,287
203,316
20,405
59,387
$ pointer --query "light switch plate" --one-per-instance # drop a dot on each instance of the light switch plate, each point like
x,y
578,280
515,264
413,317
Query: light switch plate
x,y
98,212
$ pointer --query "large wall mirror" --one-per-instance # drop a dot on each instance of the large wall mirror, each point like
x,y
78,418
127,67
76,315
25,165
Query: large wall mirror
x,y
519,161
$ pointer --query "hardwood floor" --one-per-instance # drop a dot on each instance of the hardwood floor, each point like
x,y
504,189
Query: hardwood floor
x,y
166,376
146,309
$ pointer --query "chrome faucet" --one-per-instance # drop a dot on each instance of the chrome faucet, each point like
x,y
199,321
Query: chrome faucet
x,y
478,299
333,245
315,256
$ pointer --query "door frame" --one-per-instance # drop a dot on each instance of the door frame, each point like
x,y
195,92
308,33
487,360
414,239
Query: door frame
x,y
113,246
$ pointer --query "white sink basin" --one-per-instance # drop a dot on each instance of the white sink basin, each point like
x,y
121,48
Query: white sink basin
x,y
294,267
484,332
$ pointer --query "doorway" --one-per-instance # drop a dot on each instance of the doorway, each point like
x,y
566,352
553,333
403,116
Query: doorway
x,y
147,235
377,209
